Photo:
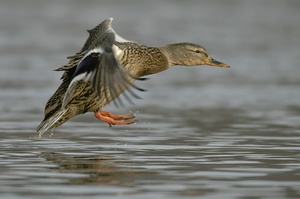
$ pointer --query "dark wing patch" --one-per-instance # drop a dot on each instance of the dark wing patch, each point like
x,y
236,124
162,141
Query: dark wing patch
x,y
107,76
88,64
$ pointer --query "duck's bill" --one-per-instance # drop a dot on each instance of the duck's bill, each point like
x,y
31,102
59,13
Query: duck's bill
x,y
213,62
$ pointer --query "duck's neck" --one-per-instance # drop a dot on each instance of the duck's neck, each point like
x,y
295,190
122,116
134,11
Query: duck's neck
x,y
173,54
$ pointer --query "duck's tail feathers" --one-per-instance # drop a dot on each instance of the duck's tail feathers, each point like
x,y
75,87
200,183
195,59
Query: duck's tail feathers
x,y
51,122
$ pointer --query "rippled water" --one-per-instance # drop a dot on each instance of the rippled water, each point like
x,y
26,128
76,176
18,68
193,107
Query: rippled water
x,y
203,132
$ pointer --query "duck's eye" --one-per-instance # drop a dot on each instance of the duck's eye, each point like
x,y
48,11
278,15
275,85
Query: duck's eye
x,y
197,51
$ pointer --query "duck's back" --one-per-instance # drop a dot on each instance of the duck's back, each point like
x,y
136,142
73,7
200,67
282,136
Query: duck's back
x,y
141,60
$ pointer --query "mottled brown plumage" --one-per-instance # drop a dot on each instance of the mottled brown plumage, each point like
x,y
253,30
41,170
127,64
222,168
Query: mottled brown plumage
x,y
106,66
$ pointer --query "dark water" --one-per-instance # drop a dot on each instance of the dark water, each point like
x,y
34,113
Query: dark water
x,y
203,132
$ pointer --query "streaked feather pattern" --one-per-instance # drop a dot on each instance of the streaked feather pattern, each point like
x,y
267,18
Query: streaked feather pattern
x,y
96,67
106,66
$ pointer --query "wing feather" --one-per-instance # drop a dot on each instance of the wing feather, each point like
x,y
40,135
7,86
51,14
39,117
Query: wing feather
x,y
107,75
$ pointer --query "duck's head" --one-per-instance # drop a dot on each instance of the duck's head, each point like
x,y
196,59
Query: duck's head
x,y
189,54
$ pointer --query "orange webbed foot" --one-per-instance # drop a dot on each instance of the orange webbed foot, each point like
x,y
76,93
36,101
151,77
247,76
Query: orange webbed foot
x,y
113,119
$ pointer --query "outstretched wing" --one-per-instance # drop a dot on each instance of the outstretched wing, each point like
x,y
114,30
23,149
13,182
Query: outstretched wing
x,y
106,74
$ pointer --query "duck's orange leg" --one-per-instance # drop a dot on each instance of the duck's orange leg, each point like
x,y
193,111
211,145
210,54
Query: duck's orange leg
x,y
113,119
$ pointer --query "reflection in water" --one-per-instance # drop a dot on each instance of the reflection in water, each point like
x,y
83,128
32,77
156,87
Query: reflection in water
x,y
99,170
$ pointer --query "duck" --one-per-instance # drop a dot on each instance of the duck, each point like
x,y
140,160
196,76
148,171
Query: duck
x,y
108,65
